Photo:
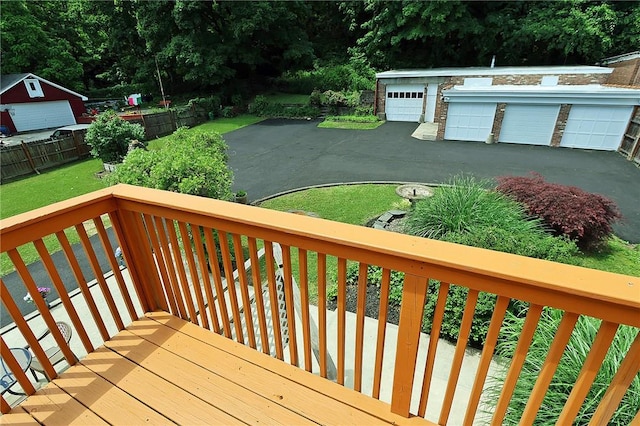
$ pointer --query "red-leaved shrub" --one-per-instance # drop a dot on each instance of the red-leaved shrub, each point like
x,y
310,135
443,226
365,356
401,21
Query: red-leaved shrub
x,y
567,210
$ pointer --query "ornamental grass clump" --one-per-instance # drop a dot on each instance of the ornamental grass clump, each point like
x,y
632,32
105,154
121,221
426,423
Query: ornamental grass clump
x,y
468,212
580,216
568,370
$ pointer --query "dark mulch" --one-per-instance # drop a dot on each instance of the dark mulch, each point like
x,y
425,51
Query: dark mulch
x,y
372,306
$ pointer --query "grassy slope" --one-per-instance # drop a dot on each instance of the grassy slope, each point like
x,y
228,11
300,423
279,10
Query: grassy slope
x,y
72,180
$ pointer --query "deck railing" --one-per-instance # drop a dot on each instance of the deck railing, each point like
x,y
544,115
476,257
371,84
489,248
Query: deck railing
x,y
177,249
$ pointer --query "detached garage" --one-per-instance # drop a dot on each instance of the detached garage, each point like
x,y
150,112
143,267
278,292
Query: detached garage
x,y
584,116
30,102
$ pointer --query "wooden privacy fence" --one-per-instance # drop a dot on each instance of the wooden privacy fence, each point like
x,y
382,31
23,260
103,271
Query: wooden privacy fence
x,y
178,247
34,156
163,123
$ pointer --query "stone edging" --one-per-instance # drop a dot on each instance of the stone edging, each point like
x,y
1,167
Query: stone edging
x,y
329,185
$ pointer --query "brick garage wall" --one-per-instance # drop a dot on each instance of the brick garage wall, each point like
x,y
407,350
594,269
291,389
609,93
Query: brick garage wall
x,y
534,79
381,100
442,108
625,73
561,124
497,121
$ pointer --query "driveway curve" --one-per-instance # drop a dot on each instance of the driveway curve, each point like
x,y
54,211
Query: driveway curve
x,y
279,155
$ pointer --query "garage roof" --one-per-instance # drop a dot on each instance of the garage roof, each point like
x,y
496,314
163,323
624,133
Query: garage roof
x,y
468,71
579,94
8,81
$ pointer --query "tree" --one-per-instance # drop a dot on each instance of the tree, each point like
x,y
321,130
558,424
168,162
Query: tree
x,y
189,163
109,137
32,41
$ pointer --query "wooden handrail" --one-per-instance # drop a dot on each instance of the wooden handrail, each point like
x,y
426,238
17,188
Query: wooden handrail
x,y
157,232
596,293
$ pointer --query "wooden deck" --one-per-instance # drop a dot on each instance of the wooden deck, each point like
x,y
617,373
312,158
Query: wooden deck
x,y
162,369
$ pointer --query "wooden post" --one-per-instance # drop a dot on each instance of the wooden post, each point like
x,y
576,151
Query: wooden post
x,y
414,295
29,158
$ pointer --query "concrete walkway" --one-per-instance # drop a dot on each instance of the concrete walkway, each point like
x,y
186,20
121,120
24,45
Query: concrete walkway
x,y
279,155
444,355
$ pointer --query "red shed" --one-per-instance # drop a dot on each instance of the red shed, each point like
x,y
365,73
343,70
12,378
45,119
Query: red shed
x,y
29,102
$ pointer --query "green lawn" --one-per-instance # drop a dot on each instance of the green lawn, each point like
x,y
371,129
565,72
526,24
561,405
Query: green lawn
x,y
49,187
220,125
72,180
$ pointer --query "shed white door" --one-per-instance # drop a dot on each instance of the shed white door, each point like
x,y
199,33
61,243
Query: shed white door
x,y
469,121
529,124
41,115
404,102
596,127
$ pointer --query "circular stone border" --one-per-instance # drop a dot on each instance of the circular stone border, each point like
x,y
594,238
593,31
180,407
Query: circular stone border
x,y
329,185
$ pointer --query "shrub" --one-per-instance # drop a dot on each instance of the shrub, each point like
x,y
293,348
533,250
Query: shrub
x,y
567,371
228,112
259,106
356,75
189,163
109,137
568,210
524,242
465,205
263,108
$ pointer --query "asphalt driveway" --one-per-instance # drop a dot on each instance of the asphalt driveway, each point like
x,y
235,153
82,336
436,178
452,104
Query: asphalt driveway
x,y
279,155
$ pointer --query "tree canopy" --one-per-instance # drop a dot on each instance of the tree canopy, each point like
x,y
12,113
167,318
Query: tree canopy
x,y
206,45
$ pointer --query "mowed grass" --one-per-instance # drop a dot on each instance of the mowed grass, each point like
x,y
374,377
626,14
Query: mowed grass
x,y
349,125
49,187
354,204
72,180
220,125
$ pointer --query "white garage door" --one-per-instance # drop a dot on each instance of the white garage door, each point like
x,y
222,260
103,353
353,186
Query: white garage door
x,y
469,121
596,127
529,124
41,115
404,102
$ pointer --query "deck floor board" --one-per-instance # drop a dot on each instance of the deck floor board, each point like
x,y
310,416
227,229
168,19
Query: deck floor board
x,y
164,370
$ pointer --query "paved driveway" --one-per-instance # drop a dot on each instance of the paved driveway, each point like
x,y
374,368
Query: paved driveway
x,y
278,155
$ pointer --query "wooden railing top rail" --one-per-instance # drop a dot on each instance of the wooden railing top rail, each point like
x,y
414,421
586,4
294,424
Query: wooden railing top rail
x,y
604,295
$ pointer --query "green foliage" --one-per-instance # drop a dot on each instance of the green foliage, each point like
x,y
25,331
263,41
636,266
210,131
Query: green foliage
x,y
354,76
464,205
210,104
524,242
567,371
263,108
189,163
228,112
568,210
38,37
467,213
109,137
